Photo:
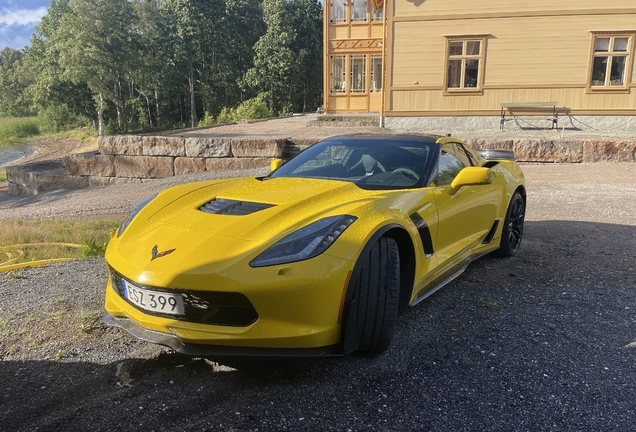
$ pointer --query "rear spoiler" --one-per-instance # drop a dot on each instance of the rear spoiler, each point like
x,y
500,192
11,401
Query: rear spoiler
x,y
496,154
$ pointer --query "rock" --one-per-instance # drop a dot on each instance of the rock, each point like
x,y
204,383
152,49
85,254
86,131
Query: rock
x,y
163,146
130,145
208,147
259,148
144,166
90,163
188,165
225,164
109,181
548,151
609,151
122,375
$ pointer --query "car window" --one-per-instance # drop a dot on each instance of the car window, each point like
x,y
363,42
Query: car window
x,y
369,162
470,159
331,155
449,167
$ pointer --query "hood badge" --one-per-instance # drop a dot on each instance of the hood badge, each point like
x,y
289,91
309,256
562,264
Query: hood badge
x,y
156,254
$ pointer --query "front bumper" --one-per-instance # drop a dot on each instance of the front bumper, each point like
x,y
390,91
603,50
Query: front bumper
x,y
196,350
298,306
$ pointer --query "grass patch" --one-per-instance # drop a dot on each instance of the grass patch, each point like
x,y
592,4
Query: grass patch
x,y
494,305
15,130
34,240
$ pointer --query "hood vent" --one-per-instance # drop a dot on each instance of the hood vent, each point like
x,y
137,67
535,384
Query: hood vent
x,y
233,208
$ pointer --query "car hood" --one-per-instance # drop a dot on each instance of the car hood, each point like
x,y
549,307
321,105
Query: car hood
x,y
258,209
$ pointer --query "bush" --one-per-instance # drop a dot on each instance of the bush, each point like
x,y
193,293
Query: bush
x,y
226,115
207,120
15,129
61,117
252,109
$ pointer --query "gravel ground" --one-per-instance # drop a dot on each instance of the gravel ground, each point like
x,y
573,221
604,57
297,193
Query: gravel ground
x,y
545,341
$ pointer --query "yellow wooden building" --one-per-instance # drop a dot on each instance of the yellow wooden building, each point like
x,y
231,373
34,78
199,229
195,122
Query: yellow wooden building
x,y
452,60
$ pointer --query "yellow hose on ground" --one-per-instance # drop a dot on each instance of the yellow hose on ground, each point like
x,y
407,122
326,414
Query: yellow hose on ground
x,y
7,266
33,264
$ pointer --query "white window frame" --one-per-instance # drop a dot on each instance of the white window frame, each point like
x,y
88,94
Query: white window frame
x,y
464,87
595,84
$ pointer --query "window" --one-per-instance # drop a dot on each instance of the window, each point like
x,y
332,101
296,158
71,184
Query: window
x,y
464,63
449,167
337,11
376,72
358,73
610,60
358,10
377,10
337,74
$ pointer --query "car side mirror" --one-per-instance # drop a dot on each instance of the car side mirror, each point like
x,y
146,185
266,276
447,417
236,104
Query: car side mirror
x,y
275,164
471,176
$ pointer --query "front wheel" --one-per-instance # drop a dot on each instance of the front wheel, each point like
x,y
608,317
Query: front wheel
x,y
513,227
376,301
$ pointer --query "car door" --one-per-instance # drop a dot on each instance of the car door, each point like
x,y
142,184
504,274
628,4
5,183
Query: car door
x,y
466,215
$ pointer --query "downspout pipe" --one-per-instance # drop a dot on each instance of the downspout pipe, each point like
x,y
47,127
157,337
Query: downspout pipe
x,y
384,19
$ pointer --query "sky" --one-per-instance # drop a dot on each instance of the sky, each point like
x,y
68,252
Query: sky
x,y
18,19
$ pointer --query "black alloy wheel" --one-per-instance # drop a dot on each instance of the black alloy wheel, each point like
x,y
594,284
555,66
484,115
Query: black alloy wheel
x,y
512,232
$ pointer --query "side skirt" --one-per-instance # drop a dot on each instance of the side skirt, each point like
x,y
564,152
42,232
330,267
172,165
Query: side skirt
x,y
449,276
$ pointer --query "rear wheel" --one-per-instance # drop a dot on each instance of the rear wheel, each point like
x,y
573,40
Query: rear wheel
x,y
513,227
377,290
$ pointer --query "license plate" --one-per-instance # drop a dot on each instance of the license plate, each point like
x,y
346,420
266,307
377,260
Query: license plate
x,y
154,301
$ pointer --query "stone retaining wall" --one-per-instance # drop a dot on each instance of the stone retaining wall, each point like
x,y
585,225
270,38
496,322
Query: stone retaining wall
x,y
134,159
558,151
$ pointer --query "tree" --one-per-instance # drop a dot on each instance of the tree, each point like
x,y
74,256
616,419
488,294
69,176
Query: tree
x,y
288,62
96,45
50,91
16,75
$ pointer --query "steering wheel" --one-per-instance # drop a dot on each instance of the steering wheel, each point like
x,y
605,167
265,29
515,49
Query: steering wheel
x,y
369,163
407,171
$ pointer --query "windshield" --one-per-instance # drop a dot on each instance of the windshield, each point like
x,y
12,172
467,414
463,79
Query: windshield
x,y
369,162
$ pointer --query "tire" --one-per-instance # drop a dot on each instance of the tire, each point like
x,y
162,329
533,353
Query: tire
x,y
512,232
377,293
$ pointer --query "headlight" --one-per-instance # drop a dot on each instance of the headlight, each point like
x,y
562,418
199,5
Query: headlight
x,y
305,243
132,215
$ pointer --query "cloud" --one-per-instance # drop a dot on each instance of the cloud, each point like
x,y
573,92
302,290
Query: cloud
x,y
15,37
21,16
17,26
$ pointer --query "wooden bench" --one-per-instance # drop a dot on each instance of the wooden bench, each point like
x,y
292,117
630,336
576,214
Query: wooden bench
x,y
530,111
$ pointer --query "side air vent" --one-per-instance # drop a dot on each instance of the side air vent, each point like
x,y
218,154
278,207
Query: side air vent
x,y
233,208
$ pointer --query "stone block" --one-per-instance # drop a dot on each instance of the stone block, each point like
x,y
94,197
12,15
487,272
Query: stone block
x,y
258,147
130,145
90,163
188,165
27,175
229,164
548,151
109,181
208,147
17,190
609,151
144,166
47,182
491,144
163,146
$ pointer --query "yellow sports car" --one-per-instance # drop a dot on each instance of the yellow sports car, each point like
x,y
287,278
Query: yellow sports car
x,y
316,257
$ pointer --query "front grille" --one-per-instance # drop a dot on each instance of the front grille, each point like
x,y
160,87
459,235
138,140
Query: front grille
x,y
232,207
201,307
